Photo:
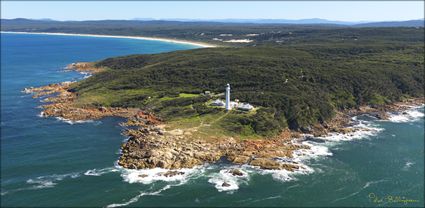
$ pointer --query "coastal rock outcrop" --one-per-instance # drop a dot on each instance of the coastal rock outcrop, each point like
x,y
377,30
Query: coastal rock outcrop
x,y
151,147
88,67
236,172
225,184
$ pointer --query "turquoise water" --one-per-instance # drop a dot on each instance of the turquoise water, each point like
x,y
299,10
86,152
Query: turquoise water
x,y
47,162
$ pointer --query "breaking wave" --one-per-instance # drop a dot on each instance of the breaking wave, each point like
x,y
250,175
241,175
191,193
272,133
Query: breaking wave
x,y
68,121
224,180
407,165
369,183
412,114
148,176
41,114
136,198
73,122
50,180
320,147
285,175
43,182
364,129
300,158
99,172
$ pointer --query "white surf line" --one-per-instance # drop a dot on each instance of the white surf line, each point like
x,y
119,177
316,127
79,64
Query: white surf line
x,y
320,150
151,176
361,189
200,44
409,115
100,172
136,198
42,182
50,181
364,129
68,121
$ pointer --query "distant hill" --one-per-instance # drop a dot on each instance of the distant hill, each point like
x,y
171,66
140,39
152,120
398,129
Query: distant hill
x,y
312,21
409,23
262,21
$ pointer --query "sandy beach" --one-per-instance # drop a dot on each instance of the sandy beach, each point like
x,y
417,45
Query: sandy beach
x,y
200,44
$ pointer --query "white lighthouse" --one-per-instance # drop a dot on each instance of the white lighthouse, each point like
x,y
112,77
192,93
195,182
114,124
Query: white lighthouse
x,y
228,106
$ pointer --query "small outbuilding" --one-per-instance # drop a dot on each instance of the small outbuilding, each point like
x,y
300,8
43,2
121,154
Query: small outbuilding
x,y
245,106
217,102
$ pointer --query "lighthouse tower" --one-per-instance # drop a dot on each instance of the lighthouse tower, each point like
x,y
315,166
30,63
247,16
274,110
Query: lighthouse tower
x,y
228,107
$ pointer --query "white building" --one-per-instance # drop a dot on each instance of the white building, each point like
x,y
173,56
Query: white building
x,y
217,102
228,105
245,106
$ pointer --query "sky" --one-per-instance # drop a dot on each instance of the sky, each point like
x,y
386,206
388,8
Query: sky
x,y
331,10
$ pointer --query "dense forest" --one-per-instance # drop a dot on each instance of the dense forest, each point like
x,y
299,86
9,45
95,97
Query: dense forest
x,y
296,86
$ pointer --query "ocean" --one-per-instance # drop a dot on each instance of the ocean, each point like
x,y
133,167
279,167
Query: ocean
x,y
51,162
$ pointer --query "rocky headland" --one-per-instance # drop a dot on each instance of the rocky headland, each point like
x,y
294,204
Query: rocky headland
x,y
88,67
149,145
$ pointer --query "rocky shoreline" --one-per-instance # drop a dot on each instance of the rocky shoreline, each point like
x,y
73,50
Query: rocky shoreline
x,y
343,123
87,67
153,147
149,145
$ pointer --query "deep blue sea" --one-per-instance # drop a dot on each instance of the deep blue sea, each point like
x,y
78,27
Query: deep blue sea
x,y
48,162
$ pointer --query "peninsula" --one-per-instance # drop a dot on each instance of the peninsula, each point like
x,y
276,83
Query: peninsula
x,y
295,86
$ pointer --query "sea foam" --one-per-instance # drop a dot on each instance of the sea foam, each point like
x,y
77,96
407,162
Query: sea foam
x,y
301,158
412,114
136,198
148,176
232,182
68,121
50,181
320,148
99,172
363,129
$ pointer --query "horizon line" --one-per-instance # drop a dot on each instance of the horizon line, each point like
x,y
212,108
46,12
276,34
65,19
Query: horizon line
x,y
212,19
